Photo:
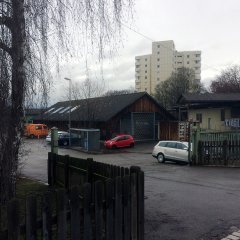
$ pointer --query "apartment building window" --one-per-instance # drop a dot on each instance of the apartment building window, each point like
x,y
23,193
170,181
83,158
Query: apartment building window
x,y
146,65
197,68
146,71
199,117
158,52
187,56
145,59
158,79
145,77
158,66
179,56
187,62
158,46
197,61
137,66
179,62
197,55
222,114
158,59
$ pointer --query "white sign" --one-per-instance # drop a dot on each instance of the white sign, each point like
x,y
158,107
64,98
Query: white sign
x,y
233,122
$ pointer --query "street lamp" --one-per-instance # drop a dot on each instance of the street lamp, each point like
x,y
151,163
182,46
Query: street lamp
x,y
69,115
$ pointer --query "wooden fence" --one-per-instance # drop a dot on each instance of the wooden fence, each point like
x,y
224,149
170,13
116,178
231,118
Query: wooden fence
x,y
220,148
110,214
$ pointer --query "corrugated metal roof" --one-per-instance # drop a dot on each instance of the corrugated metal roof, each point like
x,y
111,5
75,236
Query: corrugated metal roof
x,y
97,109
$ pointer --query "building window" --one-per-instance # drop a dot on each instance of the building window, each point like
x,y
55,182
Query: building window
x,y
137,66
146,65
209,123
158,66
158,46
158,79
179,62
158,59
187,56
199,117
179,56
197,68
197,61
145,59
197,55
158,52
222,114
146,71
145,77
187,62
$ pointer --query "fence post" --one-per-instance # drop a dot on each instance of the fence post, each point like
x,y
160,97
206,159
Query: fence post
x,y
61,215
47,216
50,169
66,171
140,205
225,145
134,170
89,170
54,140
118,208
109,209
126,208
87,231
31,218
99,210
13,220
75,213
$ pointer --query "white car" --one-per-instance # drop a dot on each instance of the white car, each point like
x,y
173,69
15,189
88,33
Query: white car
x,y
171,150
48,138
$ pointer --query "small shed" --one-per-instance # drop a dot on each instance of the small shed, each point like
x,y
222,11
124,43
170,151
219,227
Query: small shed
x,y
90,138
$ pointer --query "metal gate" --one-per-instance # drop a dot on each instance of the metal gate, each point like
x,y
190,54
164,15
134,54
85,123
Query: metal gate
x,y
143,126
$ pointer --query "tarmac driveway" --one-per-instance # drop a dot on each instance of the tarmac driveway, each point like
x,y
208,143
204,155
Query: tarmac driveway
x,y
182,202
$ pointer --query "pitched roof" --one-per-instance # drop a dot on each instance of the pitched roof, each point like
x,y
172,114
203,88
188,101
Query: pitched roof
x,y
209,97
99,109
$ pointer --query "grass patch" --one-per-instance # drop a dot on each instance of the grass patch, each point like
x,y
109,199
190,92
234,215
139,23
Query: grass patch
x,y
27,186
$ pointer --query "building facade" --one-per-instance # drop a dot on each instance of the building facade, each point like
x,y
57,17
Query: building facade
x,y
154,68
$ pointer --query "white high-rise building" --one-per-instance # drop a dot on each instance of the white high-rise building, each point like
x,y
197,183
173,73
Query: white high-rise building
x,y
156,67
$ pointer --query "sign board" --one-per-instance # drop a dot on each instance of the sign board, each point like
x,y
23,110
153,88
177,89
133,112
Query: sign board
x,y
233,122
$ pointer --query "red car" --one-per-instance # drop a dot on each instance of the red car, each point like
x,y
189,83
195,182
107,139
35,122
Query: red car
x,y
120,141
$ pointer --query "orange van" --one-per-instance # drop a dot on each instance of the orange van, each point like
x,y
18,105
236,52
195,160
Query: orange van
x,y
35,130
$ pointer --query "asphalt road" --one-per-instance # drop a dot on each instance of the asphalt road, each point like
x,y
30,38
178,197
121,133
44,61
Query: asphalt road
x,y
182,202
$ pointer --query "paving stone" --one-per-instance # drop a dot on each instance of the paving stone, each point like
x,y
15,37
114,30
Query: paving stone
x,y
237,234
231,237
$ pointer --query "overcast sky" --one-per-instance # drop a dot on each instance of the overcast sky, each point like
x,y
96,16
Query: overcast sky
x,y
211,26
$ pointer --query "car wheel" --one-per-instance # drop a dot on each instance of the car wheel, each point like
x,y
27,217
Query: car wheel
x,y
114,147
65,143
131,145
160,158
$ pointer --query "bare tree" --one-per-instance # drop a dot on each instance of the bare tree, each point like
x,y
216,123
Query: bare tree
x,y
119,92
228,81
181,81
88,91
33,35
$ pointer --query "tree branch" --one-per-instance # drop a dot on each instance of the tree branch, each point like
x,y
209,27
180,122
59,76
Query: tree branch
x,y
5,48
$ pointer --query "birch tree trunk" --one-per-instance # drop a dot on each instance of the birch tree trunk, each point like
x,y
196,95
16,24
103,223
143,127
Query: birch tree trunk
x,y
13,130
